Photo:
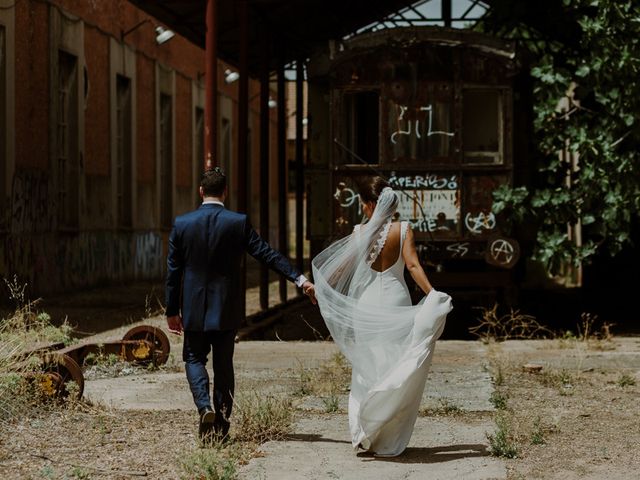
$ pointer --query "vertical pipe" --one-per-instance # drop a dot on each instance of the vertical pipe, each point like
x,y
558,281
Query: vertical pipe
x,y
446,12
243,134
282,174
299,164
243,108
264,165
211,80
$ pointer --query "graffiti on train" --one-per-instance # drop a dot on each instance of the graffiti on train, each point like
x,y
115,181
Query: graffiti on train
x,y
408,122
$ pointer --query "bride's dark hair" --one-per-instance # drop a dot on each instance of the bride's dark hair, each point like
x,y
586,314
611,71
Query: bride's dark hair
x,y
371,187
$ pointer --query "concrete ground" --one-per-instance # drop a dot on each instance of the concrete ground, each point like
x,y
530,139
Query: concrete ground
x,y
442,446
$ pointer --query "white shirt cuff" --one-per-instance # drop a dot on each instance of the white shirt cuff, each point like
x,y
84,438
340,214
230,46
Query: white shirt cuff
x,y
300,281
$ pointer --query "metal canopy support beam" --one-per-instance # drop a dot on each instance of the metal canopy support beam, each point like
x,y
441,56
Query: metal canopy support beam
x,y
282,174
243,133
299,164
446,12
264,165
211,80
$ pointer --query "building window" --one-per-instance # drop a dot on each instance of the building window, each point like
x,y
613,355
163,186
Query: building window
x,y
361,125
482,126
67,175
123,154
225,146
199,139
3,116
166,160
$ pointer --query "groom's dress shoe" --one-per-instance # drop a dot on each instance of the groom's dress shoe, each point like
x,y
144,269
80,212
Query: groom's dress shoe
x,y
207,421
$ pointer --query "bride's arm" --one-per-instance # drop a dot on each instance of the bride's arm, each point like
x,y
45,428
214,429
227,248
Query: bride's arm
x,y
412,261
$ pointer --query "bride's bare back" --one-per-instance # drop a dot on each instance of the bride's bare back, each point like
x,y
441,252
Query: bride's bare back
x,y
391,250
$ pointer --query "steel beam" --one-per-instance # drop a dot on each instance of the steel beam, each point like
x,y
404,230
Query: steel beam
x,y
211,81
264,165
446,12
282,174
299,164
243,135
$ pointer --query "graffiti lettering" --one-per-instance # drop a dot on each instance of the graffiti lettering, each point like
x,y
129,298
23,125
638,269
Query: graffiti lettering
x,y
430,181
405,125
346,197
480,222
458,249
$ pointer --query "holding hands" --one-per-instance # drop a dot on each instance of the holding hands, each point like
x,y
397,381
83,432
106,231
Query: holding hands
x,y
309,289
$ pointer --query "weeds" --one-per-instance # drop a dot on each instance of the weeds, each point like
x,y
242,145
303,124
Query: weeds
x,y
210,464
501,442
498,400
444,408
331,403
513,325
626,380
20,382
537,434
259,418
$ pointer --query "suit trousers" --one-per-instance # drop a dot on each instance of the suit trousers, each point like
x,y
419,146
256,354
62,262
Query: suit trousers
x,y
196,349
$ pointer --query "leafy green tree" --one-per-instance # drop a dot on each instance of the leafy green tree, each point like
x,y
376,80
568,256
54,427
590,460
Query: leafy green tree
x,y
588,51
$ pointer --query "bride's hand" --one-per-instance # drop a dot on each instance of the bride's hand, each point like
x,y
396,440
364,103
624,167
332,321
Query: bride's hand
x,y
309,289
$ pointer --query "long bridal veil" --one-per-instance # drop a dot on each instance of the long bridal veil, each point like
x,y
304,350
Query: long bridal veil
x,y
377,339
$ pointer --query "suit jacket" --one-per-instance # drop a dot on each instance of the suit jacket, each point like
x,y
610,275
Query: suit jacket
x,y
206,248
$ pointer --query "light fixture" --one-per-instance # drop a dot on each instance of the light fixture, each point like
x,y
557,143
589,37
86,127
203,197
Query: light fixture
x,y
163,35
230,76
272,103
305,121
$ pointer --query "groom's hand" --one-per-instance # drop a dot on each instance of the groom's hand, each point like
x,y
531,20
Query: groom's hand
x,y
309,289
175,324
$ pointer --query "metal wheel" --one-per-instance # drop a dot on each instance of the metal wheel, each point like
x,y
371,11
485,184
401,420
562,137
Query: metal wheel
x,y
154,335
61,377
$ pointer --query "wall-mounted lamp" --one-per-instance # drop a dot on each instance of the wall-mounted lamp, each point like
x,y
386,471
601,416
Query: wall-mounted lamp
x,y
230,76
305,121
162,34
272,103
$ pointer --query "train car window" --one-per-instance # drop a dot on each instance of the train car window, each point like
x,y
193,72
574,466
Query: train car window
x,y
422,129
361,126
482,126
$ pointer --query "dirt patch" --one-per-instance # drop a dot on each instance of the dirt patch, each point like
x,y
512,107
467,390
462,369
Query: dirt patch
x,y
578,417
97,443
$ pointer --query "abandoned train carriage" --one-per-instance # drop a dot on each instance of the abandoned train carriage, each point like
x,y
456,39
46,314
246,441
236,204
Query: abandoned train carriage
x,y
444,115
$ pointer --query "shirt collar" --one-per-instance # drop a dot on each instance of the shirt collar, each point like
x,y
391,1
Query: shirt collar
x,y
212,202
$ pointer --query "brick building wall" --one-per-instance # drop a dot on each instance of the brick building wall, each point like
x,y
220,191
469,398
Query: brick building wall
x,y
85,167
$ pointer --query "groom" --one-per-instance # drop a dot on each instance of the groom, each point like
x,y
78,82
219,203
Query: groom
x,y
206,248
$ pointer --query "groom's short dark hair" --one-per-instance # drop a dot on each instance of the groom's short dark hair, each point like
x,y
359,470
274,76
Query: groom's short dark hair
x,y
213,182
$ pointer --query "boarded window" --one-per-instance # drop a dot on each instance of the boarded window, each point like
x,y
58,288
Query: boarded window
x,y
199,149
123,157
482,126
361,126
166,160
67,154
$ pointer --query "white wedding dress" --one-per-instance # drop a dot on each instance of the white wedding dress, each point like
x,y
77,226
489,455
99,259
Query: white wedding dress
x,y
382,413
388,341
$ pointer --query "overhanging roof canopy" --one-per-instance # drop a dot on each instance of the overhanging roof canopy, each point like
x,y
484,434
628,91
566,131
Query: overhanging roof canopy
x,y
293,28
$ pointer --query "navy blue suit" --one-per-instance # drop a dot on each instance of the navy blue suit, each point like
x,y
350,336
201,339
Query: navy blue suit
x,y
206,249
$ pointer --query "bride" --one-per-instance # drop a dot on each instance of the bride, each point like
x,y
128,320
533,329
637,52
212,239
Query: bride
x,y
363,298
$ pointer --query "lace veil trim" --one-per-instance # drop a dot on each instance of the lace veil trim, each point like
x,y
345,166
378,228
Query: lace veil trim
x,y
379,245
